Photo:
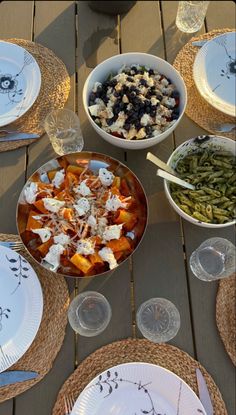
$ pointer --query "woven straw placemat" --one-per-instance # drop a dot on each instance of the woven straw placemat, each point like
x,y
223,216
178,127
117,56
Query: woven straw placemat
x,y
46,345
54,91
226,314
197,108
137,350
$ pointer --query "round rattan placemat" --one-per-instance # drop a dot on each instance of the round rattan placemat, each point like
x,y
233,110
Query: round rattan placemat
x,y
46,345
54,91
197,108
226,314
137,350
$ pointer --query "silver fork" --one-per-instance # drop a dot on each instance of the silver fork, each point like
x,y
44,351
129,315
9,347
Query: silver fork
x,y
69,402
224,128
15,245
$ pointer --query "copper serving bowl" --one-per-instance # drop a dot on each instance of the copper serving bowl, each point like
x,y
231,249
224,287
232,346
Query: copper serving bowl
x,y
94,161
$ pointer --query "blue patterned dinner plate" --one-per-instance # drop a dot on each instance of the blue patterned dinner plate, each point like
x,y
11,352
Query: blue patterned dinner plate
x,y
20,82
21,306
214,72
137,389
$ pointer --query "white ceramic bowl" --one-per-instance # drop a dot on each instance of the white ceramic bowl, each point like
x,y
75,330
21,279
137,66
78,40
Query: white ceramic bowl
x,y
188,147
102,71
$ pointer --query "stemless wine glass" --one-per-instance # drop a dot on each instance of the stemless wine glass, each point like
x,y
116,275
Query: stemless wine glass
x,y
158,320
64,132
190,15
215,258
89,313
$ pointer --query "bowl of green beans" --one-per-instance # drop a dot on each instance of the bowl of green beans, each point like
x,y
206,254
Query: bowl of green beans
x,y
209,163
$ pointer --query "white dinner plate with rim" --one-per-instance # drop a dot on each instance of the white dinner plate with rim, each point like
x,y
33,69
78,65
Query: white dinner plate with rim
x,y
20,81
21,306
214,72
137,389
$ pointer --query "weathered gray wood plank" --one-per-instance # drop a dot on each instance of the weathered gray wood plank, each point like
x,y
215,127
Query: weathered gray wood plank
x,y
97,41
221,15
158,265
54,27
12,163
209,348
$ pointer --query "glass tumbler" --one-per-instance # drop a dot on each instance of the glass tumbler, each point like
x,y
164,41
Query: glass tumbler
x,y
190,15
64,132
158,320
214,259
89,313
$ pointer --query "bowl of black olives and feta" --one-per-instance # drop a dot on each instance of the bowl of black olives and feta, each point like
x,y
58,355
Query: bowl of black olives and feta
x,y
134,100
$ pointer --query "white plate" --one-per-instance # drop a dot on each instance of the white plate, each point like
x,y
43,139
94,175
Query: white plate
x,y
20,82
21,306
137,389
214,72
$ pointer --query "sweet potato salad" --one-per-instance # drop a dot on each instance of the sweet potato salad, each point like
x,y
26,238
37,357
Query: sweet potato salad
x,y
79,222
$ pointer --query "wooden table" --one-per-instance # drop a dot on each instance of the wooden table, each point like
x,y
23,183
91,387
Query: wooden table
x,y
82,39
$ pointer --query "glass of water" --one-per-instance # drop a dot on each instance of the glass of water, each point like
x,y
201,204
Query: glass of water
x,y
89,313
158,320
63,129
214,259
190,15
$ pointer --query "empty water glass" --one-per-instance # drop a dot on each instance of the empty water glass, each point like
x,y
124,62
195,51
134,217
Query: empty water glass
x,y
190,15
89,313
158,320
64,132
215,258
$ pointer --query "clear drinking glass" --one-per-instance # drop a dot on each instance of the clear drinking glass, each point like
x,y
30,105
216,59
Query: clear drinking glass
x,y
89,313
190,15
158,320
64,132
215,258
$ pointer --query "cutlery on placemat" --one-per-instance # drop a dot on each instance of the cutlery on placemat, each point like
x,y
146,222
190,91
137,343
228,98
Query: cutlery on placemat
x,y
204,393
224,128
69,402
15,376
17,136
199,43
15,245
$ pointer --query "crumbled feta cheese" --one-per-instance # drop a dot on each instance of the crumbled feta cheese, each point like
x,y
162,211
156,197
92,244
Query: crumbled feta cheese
x,y
30,192
96,85
154,100
53,205
107,255
58,178
53,256
170,102
44,177
82,206
164,82
145,120
112,232
119,123
62,239
94,110
83,189
85,247
101,226
37,217
92,221
113,203
44,233
106,177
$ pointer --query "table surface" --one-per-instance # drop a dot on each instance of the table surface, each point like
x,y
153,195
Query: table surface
x,y
83,38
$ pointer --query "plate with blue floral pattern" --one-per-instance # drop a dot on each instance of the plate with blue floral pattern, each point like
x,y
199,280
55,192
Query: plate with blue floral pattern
x,y
214,72
137,389
21,306
20,81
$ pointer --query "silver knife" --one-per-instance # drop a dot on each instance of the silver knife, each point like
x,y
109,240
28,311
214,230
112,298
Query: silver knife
x,y
200,43
18,136
14,376
204,393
